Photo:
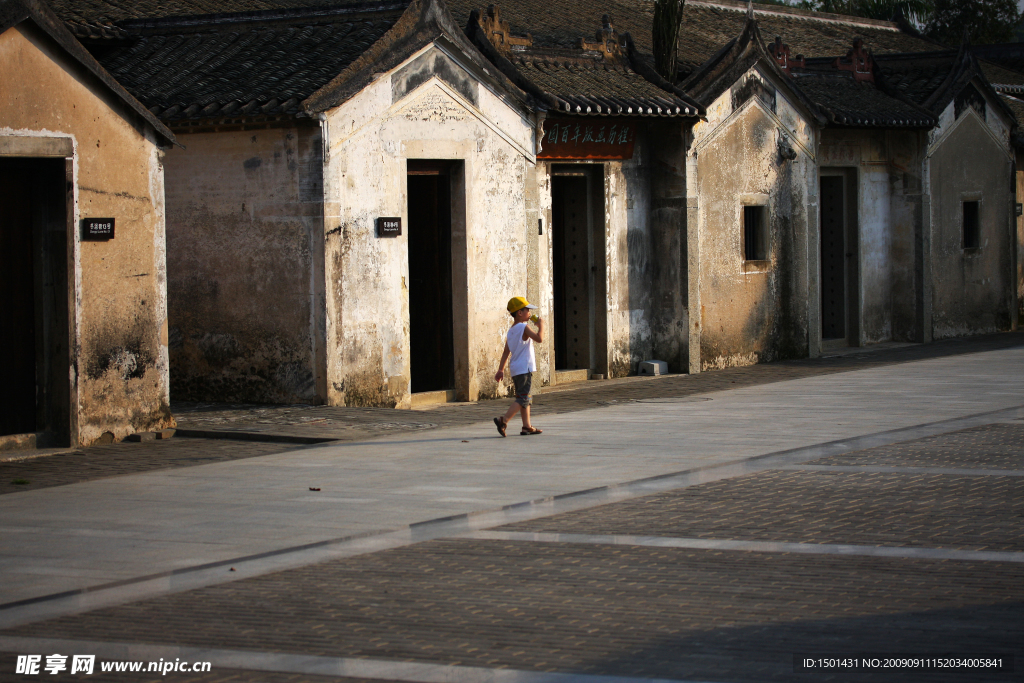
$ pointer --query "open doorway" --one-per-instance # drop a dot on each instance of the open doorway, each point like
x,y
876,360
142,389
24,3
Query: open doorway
x,y
839,300
431,330
34,332
577,210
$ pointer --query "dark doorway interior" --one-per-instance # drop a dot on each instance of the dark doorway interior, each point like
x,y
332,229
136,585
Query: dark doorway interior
x,y
430,276
34,359
833,258
572,282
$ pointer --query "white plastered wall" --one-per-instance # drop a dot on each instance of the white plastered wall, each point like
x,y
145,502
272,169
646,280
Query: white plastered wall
x,y
748,311
370,138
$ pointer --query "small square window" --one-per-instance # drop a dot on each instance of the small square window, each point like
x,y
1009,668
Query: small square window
x,y
971,225
755,233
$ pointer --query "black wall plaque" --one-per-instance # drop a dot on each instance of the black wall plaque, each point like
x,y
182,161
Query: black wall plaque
x,y
97,229
389,227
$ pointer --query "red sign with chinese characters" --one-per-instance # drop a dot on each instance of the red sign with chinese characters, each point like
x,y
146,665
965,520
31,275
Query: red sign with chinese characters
x,y
588,138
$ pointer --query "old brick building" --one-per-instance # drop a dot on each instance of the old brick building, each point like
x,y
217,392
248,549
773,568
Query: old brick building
x,y
845,183
83,318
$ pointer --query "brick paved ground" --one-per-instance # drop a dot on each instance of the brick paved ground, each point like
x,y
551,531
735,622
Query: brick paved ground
x,y
887,509
348,424
99,462
634,610
919,510
8,661
997,446
613,610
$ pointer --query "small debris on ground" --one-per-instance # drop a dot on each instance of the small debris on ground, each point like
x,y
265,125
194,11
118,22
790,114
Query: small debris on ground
x,y
313,489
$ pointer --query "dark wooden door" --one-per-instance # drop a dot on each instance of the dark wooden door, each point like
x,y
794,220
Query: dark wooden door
x,y
833,259
571,255
432,356
17,303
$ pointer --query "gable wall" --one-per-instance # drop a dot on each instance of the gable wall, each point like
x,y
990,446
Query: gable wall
x,y
971,289
119,354
752,311
372,136
244,251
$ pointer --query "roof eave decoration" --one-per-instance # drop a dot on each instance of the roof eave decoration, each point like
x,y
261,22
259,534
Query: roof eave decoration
x,y
423,22
14,12
780,51
642,67
497,30
492,37
724,70
858,62
966,68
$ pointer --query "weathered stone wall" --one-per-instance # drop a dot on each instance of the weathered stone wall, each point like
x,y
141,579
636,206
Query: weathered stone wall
x,y
888,227
430,108
752,311
244,240
1019,225
970,161
666,275
644,315
118,308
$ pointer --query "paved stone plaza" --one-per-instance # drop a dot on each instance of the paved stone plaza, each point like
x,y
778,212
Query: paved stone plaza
x,y
686,528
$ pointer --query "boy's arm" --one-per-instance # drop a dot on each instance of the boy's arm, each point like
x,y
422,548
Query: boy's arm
x,y
537,336
501,364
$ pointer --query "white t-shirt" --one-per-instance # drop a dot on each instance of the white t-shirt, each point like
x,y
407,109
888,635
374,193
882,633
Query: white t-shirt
x,y
521,359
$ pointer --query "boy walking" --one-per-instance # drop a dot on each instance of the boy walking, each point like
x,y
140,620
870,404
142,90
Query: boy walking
x,y
519,347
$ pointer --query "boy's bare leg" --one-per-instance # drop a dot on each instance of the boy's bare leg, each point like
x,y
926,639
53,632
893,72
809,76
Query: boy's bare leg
x,y
526,419
511,412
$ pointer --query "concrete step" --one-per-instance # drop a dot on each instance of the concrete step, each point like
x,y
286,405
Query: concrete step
x,y
567,376
423,398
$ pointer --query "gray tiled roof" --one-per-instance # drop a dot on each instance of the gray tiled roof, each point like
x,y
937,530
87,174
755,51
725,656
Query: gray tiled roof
x,y
706,26
240,65
917,77
847,102
593,85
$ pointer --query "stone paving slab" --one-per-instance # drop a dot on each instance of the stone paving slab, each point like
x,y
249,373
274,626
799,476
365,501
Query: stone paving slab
x,y
997,446
613,610
353,423
357,424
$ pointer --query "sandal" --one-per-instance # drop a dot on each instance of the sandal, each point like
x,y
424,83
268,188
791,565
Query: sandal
x,y
530,432
501,424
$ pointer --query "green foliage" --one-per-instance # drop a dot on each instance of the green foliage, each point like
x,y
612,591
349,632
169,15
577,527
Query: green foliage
x,y
914,10
986,21
668,15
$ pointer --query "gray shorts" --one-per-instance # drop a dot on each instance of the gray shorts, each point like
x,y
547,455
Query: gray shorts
x,y
523,384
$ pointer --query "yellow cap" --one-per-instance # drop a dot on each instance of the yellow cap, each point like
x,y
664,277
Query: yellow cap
x,y
517,302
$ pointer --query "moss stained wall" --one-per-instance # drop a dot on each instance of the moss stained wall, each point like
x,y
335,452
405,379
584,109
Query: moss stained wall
x,y
753,311
887,230
119,354
244,235
372,136
969,160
